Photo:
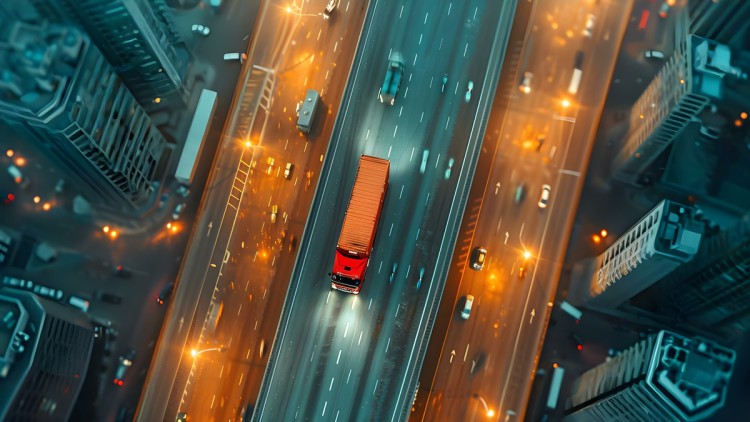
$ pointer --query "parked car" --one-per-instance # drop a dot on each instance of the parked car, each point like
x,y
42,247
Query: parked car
x,y
79,302
544,196
48,292
201,29
235,56
108,297
466,312
165,294
588,29
478,256
125,362
654,54
274,213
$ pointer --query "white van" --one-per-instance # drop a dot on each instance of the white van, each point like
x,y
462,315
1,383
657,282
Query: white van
x,y
79,303
467,307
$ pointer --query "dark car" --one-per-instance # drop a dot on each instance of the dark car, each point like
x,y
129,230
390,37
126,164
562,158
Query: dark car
x,y
165,294
121,271
125,362
478,255
107,297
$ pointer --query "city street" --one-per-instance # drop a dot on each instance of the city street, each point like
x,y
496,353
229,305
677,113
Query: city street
x,y
486,362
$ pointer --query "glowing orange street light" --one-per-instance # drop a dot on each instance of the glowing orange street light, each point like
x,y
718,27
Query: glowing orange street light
x,y
526,254
20,161
105,229
604,233
596,238
37,199
113,234
9,153
46,206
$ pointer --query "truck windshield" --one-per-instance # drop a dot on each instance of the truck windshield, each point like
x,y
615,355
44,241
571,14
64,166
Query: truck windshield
x,y
347,281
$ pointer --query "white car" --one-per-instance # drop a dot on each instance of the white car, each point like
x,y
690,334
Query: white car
x,y
525,86
423,166
654,54
544,196
448,170
274,213
288,171
330,7
201,29
466,312
588,29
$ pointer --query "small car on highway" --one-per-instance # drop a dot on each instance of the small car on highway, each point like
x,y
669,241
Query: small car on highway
x,y
519,193
544,196
469,89
448,170
525,85
423,166
288,171
588,29
330,7
165,294
125,362
274,213
478,256
654,54
466,312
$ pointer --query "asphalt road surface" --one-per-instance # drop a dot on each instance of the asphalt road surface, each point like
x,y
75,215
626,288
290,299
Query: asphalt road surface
x,y
487,363
346,357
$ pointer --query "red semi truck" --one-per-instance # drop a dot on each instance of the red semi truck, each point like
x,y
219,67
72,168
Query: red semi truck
x,y
360,224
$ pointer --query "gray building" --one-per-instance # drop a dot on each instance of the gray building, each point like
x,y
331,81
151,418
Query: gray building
x,y
58,88
725,21
138,40
710,294
45,351
661,241
665,377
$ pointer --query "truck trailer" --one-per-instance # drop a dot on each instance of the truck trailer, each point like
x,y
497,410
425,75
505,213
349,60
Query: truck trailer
x,y
360,224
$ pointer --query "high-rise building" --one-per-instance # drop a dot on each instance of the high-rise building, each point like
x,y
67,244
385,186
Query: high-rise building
x,y
711,293
44,355
664,377
700,85
57,87
137,38
661,241
724,21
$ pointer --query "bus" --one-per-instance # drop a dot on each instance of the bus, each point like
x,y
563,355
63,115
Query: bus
x,y
555,386
307,109
196,136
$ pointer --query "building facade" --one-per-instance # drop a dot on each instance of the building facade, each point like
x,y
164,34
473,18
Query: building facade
x,y
45,357
664,377
138,39
58,88
662,240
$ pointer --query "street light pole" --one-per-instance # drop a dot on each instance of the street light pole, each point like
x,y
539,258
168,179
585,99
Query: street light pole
x,y
196,353
489,412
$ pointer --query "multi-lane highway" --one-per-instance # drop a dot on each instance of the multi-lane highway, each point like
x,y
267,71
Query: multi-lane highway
x,y
238,264
486,362
344,357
